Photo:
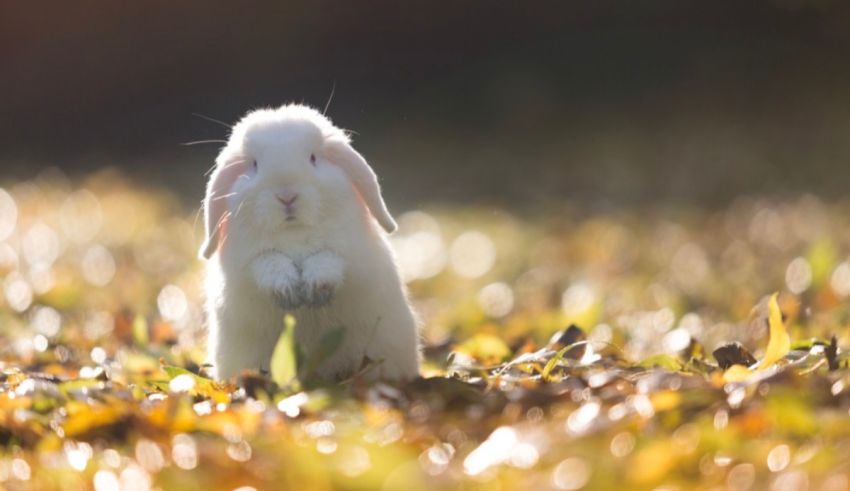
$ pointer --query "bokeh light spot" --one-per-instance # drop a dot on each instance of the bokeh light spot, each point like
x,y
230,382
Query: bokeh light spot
x,y
18,292
172,303
106,481
41,244
496,299
98,265
779,458
46,321
577,299
798,275
840,280
622,444
8,215
572,473
81,216
184,451
419,247
472,254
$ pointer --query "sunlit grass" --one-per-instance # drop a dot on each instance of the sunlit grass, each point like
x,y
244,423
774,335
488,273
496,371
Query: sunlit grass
x,y
103,386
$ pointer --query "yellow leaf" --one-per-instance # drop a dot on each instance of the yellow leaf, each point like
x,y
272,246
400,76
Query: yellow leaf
x,y
82,419
779,343
202,386
284,368
736,373
666,400
485,348
652,463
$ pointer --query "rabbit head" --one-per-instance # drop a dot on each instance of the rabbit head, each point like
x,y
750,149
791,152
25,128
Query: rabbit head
x,y
283,169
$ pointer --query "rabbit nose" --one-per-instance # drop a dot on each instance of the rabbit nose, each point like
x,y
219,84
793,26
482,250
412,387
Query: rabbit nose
x,y
287,196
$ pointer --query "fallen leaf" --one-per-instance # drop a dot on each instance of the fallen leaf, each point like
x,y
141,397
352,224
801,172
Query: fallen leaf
x,y
569,336
733,354
736,373
667,362
284,366
831,353
486,348
779,343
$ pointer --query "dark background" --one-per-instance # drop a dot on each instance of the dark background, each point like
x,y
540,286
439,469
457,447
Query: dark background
x,y
508,103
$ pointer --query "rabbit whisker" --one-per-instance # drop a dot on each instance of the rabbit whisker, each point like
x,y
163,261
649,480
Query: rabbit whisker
x,y
239,208
212,120
223,196
224,217
202,142
227,216
232,163
225,166
330,98
197,217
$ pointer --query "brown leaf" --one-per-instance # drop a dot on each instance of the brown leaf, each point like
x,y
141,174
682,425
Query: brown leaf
x,y
733,354
831,353
568,336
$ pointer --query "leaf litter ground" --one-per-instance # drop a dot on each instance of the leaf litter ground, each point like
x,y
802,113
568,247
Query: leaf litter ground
x,y
639,350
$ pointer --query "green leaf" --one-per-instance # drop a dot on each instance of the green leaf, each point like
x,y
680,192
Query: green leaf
x,y
822,256
174,372
667,362
553,362
140,331
328,345
284,363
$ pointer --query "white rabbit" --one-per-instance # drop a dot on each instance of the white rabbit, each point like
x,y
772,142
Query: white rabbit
x,y
292,218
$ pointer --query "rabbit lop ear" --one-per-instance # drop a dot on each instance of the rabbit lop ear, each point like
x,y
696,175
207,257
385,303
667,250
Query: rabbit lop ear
x,y
364,179
215,202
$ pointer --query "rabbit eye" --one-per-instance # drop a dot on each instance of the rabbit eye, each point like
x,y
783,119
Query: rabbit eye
x,y
313,158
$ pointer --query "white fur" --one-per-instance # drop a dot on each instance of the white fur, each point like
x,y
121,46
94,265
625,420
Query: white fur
x,y
331,266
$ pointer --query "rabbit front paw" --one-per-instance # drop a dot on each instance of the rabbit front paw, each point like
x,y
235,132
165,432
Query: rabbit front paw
x,y
289,299
278,275
321,275
317,294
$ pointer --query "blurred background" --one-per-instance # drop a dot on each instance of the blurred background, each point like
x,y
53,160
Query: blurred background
x,y
604,103
646,170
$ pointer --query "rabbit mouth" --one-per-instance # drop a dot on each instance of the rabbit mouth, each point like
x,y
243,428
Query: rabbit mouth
x,y
289,213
